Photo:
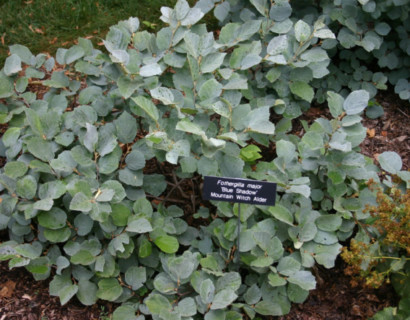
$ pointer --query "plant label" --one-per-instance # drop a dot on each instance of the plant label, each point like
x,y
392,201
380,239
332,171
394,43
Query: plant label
x,y
239,190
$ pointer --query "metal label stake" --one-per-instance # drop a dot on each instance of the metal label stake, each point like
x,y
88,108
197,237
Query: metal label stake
x,y
238,254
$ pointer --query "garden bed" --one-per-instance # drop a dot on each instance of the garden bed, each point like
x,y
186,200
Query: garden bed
x,y
23,298
107,151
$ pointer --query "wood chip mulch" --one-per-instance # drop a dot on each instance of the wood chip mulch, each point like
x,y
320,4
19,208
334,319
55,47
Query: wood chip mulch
x,y
336,299
23,298
390,132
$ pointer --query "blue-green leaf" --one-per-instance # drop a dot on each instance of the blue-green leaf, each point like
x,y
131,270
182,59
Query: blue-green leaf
x,y
126,126
223,298
356,102
390,161
109,289
12,65
147,105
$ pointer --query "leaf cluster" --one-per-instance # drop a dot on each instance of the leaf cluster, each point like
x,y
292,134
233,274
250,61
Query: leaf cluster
x,y
380,251
367,41
94,157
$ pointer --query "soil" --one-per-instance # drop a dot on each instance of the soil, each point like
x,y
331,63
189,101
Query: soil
x,y
23,298
390,132
336,299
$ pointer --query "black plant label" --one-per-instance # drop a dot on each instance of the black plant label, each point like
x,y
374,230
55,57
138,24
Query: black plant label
x,y
239,190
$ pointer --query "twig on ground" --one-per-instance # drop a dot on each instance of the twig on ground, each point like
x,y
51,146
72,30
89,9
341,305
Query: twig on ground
x,y
403,112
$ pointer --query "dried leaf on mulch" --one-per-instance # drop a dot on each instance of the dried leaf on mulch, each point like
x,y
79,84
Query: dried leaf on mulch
x,y
391,132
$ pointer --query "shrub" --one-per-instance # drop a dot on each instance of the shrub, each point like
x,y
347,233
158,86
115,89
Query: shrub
x,y
101,189
381,250
367,42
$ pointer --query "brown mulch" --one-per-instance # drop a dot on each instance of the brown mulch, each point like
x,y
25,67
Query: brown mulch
x,y
335,299
23,298
3,128
391,132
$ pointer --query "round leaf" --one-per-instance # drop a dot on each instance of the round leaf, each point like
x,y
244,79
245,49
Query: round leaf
x,y
329,222
223,299
87,292
356,102
124,313
390,162
15,169
167,244
109,289
27,187
53,219
120,214
12,65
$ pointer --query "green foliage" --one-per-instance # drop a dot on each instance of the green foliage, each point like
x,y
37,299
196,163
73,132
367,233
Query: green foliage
x,y
250,153
357,35
48,25
380,252
92,163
